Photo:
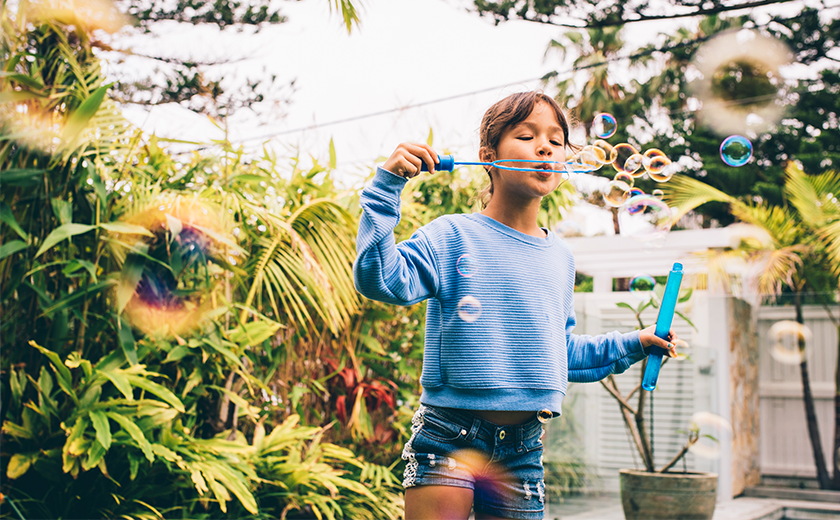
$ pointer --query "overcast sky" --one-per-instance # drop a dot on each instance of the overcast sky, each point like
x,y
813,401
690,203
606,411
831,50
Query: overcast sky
x,y
405,52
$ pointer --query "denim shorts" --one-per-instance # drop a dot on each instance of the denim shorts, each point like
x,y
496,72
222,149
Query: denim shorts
x,y
501,464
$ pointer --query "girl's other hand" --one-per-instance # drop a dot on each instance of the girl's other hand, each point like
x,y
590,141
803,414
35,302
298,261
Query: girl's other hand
x,y
649,339
409,157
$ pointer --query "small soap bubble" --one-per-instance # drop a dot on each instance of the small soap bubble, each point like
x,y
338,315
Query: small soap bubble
x,y
659,194
467,266
736,150
623,158
604,125
713,432
660,169
645,218
641,286
789,341
616,193
544,415
469,309
625,178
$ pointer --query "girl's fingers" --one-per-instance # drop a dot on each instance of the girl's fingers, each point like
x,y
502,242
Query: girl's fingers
x,y
426,154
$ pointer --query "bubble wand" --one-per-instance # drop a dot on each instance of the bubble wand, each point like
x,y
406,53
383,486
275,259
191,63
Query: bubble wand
x,y
663,326
447,163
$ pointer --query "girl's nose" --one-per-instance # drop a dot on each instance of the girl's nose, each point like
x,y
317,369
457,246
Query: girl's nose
x,y
544,149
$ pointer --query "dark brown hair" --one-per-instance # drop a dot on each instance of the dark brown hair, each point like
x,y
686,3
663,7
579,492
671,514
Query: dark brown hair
x,y
509,112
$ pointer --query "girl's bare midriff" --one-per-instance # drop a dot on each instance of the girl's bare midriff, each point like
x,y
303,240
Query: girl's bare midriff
x,y
503,418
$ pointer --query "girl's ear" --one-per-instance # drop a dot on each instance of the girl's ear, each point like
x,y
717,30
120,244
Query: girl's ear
x,y
486,154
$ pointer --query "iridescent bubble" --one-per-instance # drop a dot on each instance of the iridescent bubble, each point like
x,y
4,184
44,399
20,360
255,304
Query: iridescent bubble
x,y
736,150
789,341
625,178
635,192
650,153
469,309
590,159
620,156
712,431
597,152
467,266
633,165
544,415
645,218
604,125
616,193
641,286
659,194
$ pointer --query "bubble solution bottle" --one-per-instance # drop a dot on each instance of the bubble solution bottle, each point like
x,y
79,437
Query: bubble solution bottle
x,y
663,326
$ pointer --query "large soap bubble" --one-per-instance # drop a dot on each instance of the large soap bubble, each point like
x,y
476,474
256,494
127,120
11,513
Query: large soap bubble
x,y
740,85
644,218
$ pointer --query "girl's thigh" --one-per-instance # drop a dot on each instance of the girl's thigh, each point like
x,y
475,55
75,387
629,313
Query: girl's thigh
x,y
438,503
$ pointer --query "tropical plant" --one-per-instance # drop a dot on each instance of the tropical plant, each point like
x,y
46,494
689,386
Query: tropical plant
x,y
141,299
797,252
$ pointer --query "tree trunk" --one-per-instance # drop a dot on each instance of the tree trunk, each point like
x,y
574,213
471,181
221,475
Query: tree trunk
x,y
810,412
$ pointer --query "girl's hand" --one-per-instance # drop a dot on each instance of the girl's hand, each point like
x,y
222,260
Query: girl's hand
x,y
409,157
649,339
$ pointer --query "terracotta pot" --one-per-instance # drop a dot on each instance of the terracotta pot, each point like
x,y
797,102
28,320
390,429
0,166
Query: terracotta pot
x,y
661,496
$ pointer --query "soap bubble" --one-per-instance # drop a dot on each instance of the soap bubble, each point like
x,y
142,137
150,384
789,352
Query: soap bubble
x,y
788,341
645,218
592,156
467,266
616,193
736,150
740,85
654,243
623,158
659,194
469,309
641,286
190,242
625,178
604,125
650,153
635,192
606,147
713,431
544,415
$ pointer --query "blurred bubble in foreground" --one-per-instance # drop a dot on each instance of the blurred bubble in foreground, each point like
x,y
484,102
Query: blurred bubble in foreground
x,y
641,286
713,431
469,309
789,341
168,280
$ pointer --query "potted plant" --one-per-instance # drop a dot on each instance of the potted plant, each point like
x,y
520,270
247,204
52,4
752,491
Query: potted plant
x,y
659,493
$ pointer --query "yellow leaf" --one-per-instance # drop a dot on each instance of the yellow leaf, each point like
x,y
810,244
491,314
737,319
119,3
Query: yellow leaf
x,y
19,464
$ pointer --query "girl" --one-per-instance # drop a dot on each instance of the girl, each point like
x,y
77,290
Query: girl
x,y
499,344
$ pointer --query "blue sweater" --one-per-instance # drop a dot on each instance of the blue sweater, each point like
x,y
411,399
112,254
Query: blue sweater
x,y
510,344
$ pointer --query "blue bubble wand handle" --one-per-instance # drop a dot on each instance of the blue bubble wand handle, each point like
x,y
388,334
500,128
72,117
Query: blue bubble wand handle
x,y
663,326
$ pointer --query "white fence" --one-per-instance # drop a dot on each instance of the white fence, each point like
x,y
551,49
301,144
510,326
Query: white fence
x,y
784,444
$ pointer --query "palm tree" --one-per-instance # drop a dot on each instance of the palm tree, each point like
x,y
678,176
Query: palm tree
x,y
804,239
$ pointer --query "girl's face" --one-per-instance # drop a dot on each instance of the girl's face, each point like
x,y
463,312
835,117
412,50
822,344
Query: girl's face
x,y
538,137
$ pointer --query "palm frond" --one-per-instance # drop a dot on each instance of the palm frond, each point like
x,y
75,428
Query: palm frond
x,y
685,194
